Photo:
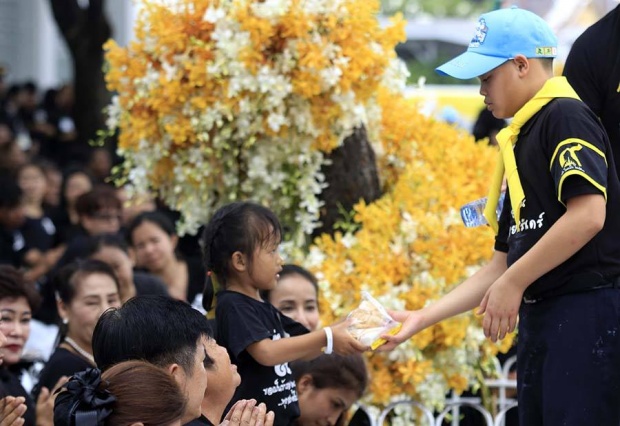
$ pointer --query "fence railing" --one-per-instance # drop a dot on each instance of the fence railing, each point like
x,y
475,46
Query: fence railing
x,y
452,411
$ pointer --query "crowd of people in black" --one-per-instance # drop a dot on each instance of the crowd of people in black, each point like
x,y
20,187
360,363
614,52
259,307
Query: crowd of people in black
x,y
99,297
103,307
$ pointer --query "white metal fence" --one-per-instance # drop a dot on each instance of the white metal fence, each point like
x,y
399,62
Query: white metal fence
x,y
452,411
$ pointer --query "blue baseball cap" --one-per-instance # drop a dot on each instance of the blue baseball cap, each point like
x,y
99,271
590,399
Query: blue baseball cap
x,y
500,36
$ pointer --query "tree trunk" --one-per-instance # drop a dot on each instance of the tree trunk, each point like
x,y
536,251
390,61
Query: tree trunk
x,y
351,176
85,30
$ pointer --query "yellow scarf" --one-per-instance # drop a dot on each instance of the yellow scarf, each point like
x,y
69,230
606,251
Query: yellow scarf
x,y
556,87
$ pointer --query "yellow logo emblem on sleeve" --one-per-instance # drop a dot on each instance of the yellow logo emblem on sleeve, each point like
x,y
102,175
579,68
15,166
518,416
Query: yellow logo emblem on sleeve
x,y
568,157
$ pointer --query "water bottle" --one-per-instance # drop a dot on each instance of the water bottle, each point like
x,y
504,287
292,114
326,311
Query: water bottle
x,y
473,213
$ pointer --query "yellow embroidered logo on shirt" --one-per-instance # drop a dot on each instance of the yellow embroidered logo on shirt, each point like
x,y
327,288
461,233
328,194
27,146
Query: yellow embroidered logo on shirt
x,y
568,157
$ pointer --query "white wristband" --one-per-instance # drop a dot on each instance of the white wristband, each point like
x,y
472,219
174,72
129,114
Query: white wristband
x,y
330,341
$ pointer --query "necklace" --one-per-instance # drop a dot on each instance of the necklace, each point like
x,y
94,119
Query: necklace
x,y
69,341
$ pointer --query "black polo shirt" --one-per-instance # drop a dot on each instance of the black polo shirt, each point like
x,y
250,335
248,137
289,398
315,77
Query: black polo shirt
x,y
593,69
562,152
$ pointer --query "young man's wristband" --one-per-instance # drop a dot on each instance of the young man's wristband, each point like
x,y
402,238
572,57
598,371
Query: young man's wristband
x,y
329,348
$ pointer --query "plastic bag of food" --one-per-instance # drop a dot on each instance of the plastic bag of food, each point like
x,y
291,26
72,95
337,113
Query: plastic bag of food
x,y
369,321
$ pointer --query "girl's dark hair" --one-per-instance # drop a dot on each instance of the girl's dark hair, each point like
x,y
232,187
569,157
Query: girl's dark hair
x,y
129,392
13,285
242,227
290,269
335,372
157,218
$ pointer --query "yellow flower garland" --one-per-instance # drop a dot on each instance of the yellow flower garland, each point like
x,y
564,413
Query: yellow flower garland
x,y
411,248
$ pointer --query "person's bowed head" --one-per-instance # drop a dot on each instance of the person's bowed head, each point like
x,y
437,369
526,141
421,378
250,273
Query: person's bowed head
x,y
129,393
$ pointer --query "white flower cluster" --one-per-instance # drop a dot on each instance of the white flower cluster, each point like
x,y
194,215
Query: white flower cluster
x,y
233,157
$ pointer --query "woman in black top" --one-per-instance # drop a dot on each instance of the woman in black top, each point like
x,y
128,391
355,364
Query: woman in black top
x,y
31,180
154,240
85,289
18,299
112,249
75,183
38,230
12,408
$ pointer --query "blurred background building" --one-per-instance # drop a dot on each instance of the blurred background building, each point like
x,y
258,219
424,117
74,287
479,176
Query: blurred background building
x,y
32,48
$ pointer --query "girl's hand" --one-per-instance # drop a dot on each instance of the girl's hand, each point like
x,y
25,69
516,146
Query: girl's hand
x,y
45,403
344,343
412,324
246,413
12,410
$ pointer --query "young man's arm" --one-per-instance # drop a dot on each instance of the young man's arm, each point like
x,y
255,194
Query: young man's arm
x,y
464,297
584,218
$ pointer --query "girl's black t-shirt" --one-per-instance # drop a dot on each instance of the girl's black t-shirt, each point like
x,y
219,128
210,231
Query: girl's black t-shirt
x,y
242,321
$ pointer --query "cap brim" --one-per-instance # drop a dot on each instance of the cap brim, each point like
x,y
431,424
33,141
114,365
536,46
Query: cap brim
x,y
469,65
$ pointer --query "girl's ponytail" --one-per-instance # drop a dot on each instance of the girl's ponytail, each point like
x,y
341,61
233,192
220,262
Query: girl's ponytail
x,y
208,293
210,264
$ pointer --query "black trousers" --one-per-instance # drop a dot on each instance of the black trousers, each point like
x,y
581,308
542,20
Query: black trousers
x,y
568,362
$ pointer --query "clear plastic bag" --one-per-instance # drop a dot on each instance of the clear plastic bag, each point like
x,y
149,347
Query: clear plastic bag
x,y
370,321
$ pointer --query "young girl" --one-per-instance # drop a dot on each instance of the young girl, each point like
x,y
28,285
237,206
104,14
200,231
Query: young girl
x,y
240,246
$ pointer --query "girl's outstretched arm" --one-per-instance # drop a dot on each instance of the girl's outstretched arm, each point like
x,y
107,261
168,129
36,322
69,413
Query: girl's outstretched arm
x,y
308,346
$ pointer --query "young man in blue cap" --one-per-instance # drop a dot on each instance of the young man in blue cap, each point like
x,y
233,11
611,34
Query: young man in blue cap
x,y
557,257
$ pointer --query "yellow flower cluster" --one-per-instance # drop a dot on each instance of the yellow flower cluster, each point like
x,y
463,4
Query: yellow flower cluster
x,y
412,248
163,36
208,85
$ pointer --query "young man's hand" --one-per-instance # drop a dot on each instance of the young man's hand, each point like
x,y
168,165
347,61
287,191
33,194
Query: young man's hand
x,y
500,306
411,324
